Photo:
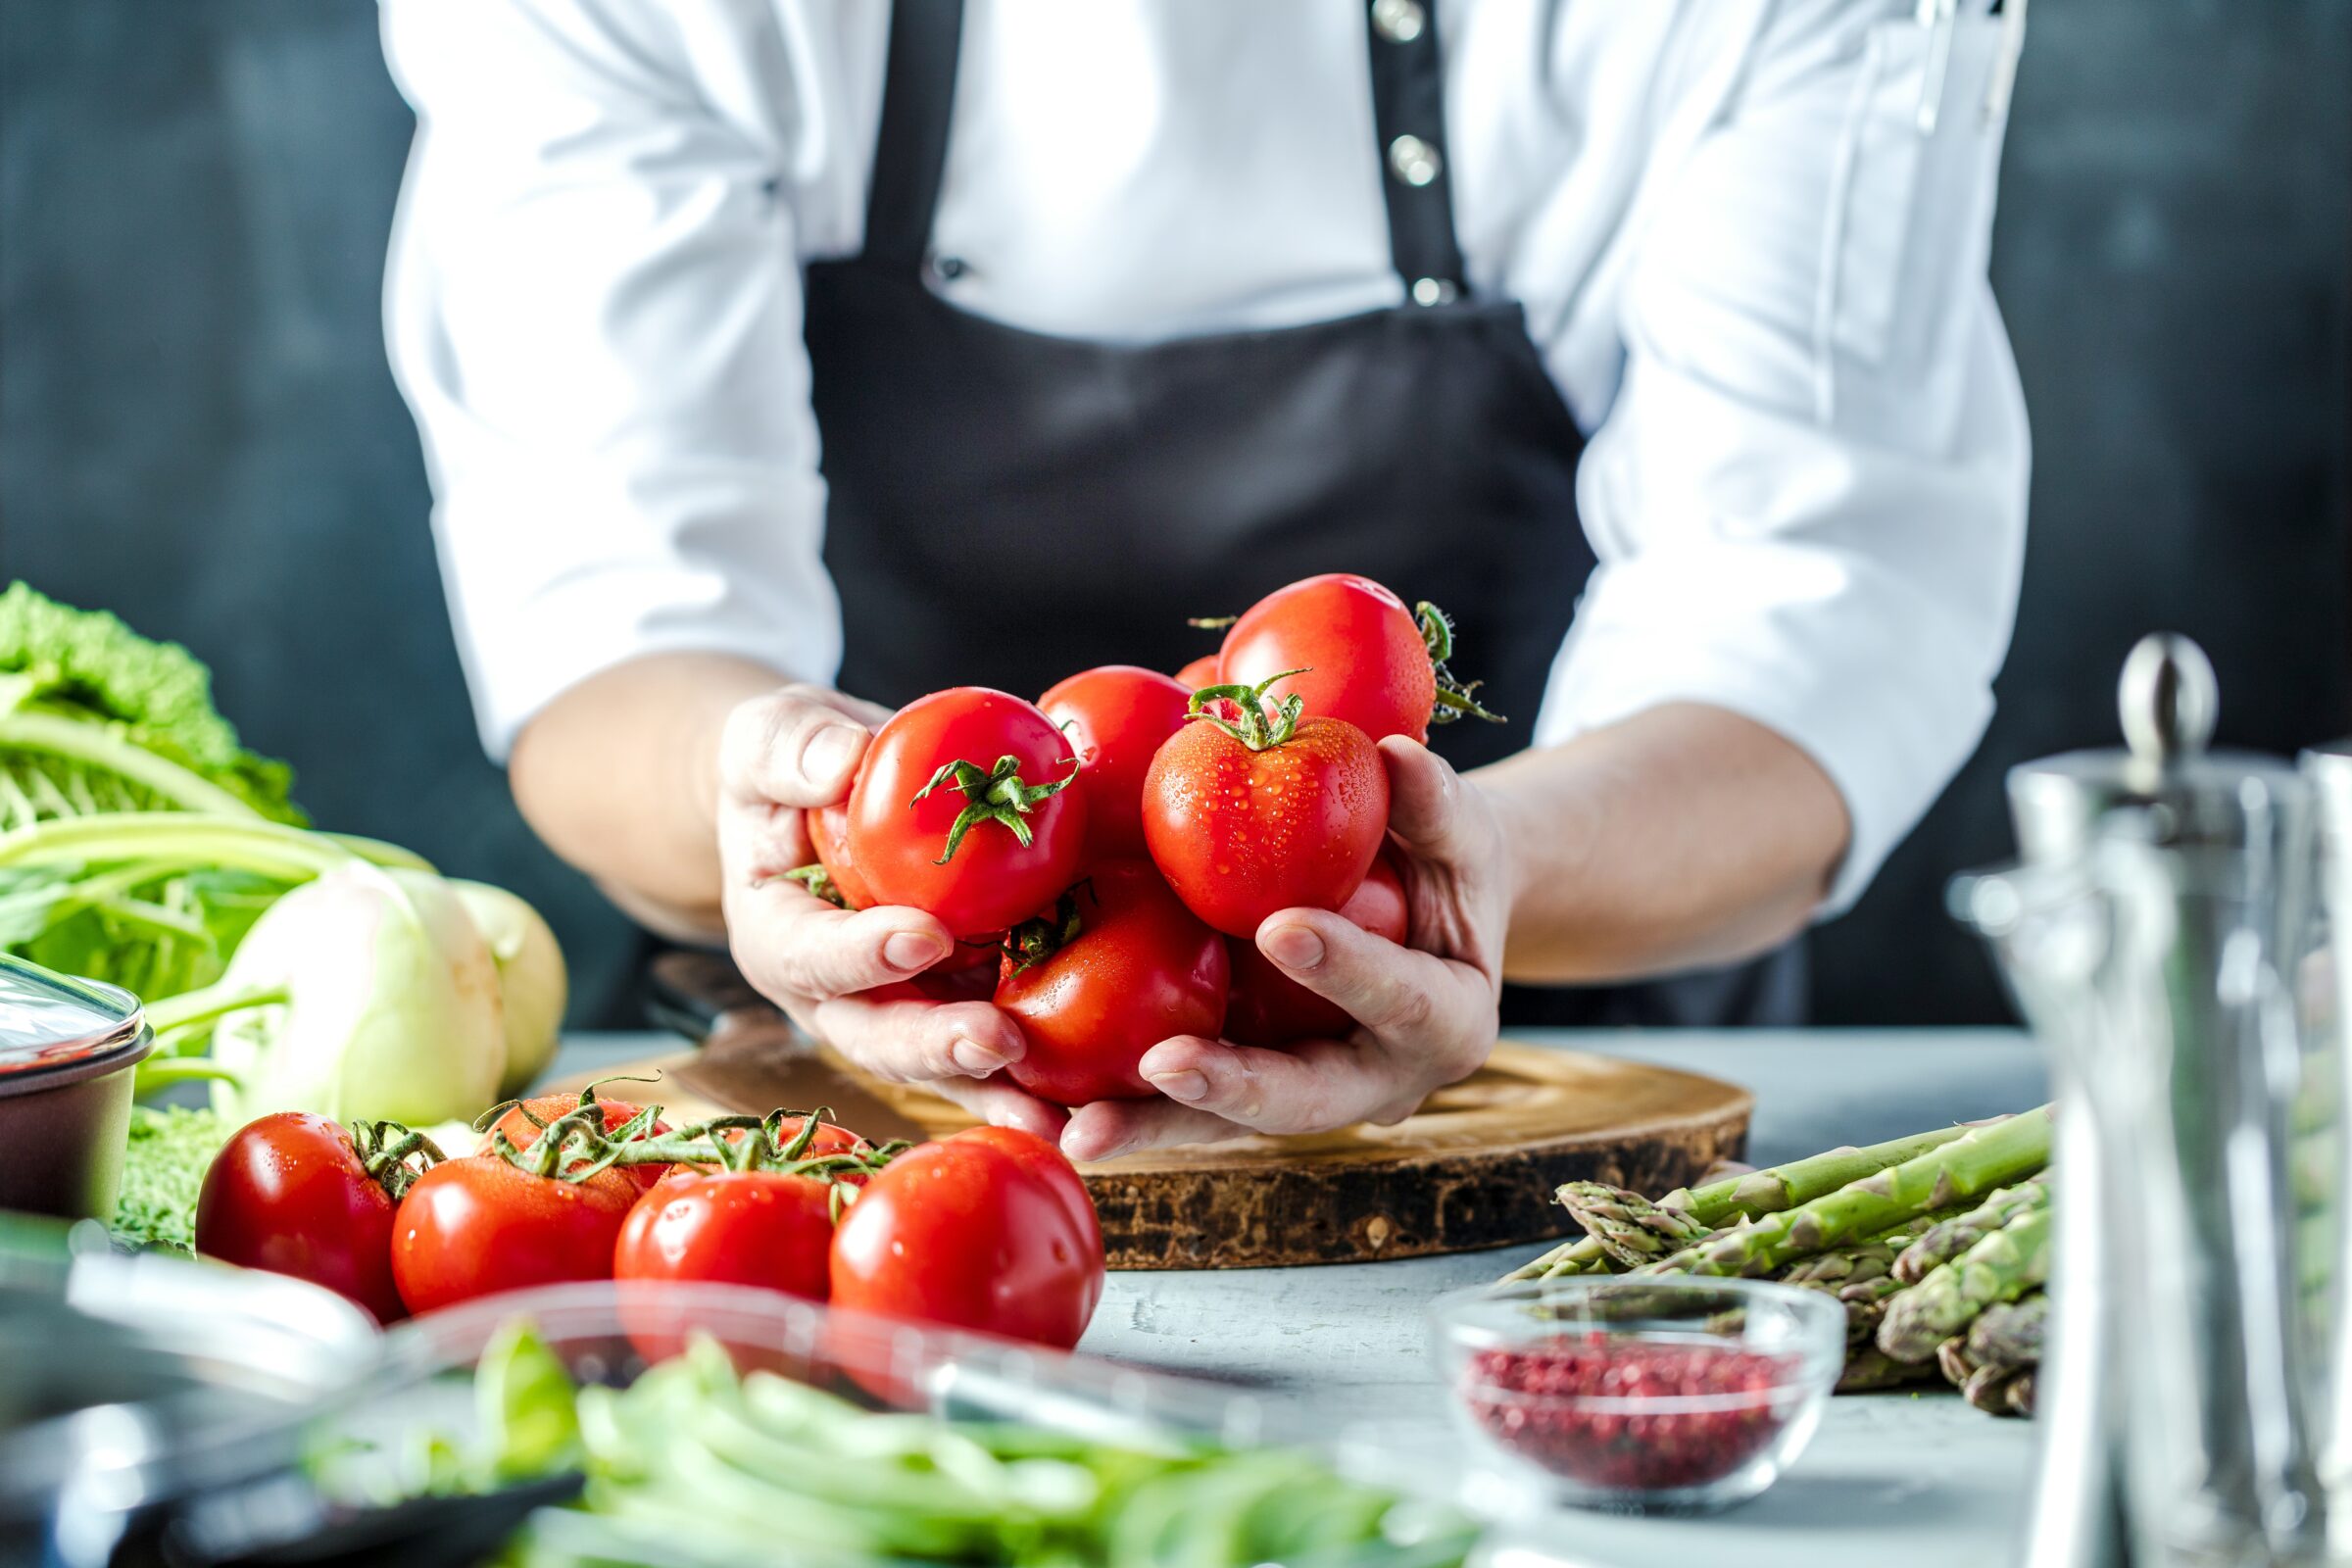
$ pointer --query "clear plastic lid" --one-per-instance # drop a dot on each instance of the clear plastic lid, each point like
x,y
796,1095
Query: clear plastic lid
x,y
49,1020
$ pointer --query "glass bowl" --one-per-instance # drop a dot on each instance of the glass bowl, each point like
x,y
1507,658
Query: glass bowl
x,y
1671,1395
726,1481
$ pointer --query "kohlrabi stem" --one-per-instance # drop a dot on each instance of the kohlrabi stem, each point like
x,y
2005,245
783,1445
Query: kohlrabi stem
x,y
100,746
162,1072
211,1004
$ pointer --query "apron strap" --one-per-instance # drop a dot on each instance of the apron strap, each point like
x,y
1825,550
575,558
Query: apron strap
x,y
1408,107
918,99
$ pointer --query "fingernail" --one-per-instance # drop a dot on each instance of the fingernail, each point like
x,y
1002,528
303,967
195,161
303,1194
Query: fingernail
x,y
1294,946
909,951
1187,1085
975,1057
829,753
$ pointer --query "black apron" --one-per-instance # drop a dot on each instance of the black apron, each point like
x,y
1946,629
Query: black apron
x,y
1008,506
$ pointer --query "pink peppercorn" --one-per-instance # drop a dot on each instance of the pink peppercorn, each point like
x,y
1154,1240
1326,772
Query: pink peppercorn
x,y
1539,1400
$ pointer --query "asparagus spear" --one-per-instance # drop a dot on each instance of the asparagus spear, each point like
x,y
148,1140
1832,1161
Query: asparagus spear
x,y
1630,1228
1866,1306
2003,1266
1869,1259
1762,1192
1947,1240
1993,1388
1951,1359
1981,1160
2011,1331
1869,1369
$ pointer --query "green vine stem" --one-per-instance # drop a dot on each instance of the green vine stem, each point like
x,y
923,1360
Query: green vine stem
x,y
577,1145
819,881
1455,699
386,1151
996,795
1251,725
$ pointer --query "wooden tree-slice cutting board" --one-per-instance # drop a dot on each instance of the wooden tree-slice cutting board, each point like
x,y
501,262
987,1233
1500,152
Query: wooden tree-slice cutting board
x,y
1475,1168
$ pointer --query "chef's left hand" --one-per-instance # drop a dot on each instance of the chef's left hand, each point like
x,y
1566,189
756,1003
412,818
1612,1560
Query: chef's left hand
x,y
1426,1014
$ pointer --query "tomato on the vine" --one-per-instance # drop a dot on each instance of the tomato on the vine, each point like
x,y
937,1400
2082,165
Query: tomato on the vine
x,y
479,1226
297,1193
522,1123
1270,1008
1119,966
1250,814
989,1230
962,809
1201,671
1115,718
1355,653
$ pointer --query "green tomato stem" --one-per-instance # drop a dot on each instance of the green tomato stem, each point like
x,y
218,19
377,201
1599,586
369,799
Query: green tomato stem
x,y
997,795
1253,729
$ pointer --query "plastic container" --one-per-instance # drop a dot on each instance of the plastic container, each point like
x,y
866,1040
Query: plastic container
x,y
602,1332
1670,1394
67,1051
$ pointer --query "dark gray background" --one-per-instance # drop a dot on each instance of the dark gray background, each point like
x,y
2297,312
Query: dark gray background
x,y
198,431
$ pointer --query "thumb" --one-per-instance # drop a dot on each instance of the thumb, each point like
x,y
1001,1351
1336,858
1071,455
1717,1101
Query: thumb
x,y
798,746
1425,800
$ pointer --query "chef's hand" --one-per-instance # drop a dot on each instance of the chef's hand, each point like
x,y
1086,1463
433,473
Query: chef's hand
x,y
1426,1014
836,972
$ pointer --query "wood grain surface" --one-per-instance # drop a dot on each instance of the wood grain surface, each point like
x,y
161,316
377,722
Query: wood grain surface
x,y
1475,1168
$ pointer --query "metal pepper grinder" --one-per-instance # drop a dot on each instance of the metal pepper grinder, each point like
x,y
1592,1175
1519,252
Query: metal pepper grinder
x,y
2147,937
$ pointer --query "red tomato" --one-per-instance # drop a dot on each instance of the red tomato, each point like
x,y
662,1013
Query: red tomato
x,y
1142,967
829,835
1270,1008
986,846
523,1131
1249,816
1362,655
989,1231
1116,718
736,1227
479,1226
1201,671
291,1194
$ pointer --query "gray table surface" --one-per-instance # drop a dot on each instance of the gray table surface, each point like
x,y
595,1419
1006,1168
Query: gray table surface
x,y
1918,1479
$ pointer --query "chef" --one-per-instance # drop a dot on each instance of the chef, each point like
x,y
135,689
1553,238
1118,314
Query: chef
x,y
779,361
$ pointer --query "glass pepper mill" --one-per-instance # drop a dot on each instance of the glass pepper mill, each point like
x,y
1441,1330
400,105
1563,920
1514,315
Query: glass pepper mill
x,y
2155,938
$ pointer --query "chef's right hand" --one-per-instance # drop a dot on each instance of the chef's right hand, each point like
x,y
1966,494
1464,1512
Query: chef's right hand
x,y
796,749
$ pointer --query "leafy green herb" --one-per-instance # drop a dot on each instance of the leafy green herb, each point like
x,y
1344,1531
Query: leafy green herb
x,y
94,718
163,1171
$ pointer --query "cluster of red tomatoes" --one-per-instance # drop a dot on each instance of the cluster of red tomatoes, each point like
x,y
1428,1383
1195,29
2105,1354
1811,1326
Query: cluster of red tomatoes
x,y
1120,840
990,1230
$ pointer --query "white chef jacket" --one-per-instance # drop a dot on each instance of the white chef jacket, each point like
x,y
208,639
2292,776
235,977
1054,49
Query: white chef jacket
x,y
1758,284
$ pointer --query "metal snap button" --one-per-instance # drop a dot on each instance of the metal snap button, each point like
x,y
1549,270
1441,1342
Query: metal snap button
x,y
1415,161
1399,21
1435,291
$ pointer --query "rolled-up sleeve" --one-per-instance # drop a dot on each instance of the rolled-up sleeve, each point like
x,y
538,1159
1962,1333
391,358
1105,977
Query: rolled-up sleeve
x,y
1808,492
593,308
